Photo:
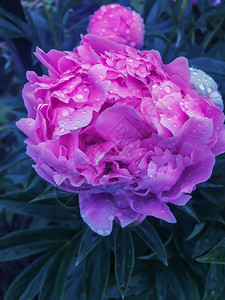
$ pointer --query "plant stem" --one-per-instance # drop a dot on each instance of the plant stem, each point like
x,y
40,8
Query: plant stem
x,y
211,35
50,25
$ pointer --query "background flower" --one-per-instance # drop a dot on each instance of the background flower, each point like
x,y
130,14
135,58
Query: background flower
x,y
118,24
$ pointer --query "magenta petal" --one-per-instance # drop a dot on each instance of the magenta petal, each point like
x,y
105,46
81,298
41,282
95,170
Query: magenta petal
x,y
191,176
181,199
151,207
219,147
97,73
121,125
28,127
99,210
100,45
50,59
78,119
179,67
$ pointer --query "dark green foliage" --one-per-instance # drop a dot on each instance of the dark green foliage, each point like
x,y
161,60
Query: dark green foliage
x,y
151,238
153,261
88,242
124,258
97,268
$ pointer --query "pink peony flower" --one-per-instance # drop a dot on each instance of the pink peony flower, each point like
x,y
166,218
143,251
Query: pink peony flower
x,y
127,132
118,24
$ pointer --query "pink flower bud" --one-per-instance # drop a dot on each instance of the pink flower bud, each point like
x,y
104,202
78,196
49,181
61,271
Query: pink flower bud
x,y
118,24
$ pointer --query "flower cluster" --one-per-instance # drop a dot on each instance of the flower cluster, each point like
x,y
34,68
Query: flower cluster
x,y
126,131
118,24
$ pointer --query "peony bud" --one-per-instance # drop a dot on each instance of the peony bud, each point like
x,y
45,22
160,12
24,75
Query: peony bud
x,y
118,24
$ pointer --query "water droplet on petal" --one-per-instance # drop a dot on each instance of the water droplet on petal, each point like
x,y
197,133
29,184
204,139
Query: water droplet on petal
x,y
65,112
107,232
214,94
201,86
80,96
110,217
100,231
167,89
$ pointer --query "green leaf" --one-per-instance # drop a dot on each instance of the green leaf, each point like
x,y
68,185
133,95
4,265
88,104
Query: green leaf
x,y
142,280
197,229
161,283
215,255
195,289
74,284
190,211
210,238
210,16
26,242
14,25
138,5
54,281
52,212
215,282
151,238
39,25
180,280
124,258
14,158
210,212
155,11
7,29
97,267
27,284
64,6
209,65
88,242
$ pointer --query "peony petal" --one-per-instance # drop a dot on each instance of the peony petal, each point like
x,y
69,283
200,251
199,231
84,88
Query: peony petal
x,y
98,210
179,67
121,125
150,206
100,45
219,147
77,119
50,59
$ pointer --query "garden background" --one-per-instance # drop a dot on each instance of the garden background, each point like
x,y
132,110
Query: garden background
x,y
46,250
